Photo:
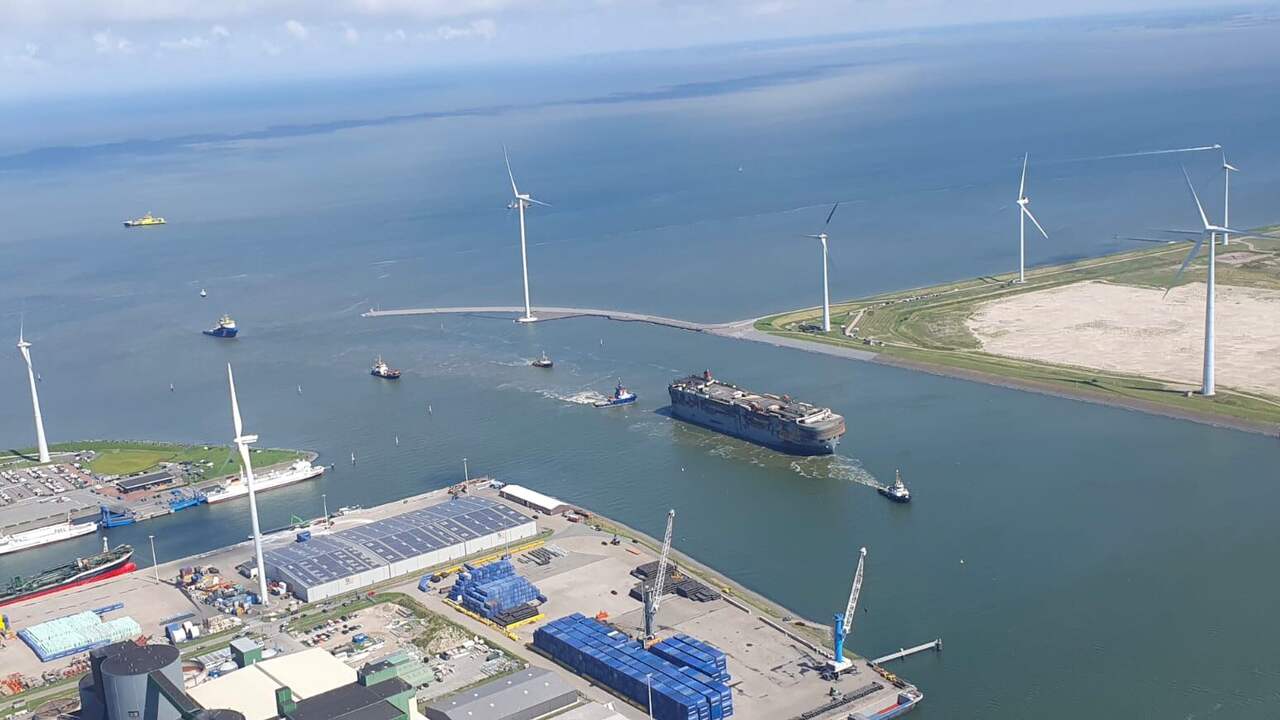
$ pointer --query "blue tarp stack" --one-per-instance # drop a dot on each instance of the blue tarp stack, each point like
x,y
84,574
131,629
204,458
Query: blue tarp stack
x,y
493,589
691,652
680,692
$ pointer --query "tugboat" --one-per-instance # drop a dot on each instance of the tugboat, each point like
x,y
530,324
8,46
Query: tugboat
x,y
203,293
226,328
621,396
542,362
898,491
383,370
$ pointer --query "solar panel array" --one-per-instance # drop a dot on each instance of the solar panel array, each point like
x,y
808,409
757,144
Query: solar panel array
x,y
325,558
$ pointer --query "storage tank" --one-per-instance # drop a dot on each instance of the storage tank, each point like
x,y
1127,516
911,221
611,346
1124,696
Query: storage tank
x,y
125,687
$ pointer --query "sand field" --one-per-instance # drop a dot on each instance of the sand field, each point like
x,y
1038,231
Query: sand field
x,y
1133,330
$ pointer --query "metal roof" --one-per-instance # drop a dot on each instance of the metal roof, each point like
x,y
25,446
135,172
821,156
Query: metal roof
x,y
130,484
533,498
325,558
506,697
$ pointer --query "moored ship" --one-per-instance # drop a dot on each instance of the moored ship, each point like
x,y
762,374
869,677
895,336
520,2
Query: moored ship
x,y
144,221
775,421
45,535
82,571
226,328
297,472
383,370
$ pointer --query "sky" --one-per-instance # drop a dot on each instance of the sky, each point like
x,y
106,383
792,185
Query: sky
x,y
56,48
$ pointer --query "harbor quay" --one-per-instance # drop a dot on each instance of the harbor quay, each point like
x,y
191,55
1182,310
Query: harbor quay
x,y
581,563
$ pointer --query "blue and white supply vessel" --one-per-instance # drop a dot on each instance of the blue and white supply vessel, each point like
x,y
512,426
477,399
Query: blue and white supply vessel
x,y
226,328
621,396
775,421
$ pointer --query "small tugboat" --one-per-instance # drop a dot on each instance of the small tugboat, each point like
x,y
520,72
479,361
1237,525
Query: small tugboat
x,y
203,293
144,221
226,328
383,370
621,396
898,491
542,362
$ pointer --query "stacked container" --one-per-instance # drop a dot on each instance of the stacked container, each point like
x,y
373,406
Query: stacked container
x,y
691,652
493,589
679,692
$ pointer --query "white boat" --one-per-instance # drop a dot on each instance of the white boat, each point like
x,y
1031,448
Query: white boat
x,y
45,535
297,472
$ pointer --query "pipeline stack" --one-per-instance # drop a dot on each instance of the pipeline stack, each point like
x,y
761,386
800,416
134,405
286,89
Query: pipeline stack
x,y
680,690
494,591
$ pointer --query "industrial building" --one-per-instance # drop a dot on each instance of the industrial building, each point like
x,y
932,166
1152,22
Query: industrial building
x,y
329,565
533,499
309,685
529,694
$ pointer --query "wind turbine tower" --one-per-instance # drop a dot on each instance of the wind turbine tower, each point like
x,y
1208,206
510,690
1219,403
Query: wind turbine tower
x,y
242,442
1227,169
521,202
24,347
1210,234
1024,212
826,293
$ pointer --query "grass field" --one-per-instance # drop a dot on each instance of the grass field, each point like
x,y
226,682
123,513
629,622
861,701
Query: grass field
x,y
127,458
928,328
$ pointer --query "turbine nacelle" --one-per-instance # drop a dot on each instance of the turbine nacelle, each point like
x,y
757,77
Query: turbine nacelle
x,y
245,439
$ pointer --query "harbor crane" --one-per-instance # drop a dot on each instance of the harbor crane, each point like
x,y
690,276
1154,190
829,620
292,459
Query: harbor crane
x,y
844,621
653,596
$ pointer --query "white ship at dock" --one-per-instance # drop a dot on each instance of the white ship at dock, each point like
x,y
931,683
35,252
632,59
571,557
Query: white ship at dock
x,y
45,535
297,472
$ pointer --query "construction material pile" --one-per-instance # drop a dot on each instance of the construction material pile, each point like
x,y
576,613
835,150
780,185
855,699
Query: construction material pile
x,y
677,582
76,634
679,687
493,589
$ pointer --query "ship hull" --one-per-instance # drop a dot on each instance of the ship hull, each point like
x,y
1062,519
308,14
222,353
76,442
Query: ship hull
x,y
118,567
44,536
265,483
221,332
735,422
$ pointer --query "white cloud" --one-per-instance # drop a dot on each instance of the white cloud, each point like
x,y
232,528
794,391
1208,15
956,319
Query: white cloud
x,y
483,28
195,42
220,32
26,59
350,35
296,29
271,48
106,43
395,36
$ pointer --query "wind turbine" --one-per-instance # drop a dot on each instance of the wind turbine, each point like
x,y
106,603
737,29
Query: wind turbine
x,y
1024,212
242,442
826,294
521,202
1227,169
24,347
1209,233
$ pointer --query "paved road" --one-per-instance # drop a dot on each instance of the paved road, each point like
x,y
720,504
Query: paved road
x,y
738,329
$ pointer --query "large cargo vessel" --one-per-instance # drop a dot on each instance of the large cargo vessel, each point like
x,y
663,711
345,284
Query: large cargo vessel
x,y
775,421
45,535
82,571
297,472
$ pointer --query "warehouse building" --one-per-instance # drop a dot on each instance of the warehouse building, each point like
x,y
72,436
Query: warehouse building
x,y
533,499
529,694
355,558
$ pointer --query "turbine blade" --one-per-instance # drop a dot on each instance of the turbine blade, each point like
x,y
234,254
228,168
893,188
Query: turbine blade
x,y
1195,250
831,214
1022,186
1034,220
538,202
1203,218
1157,241
507,158
235,406
1179,232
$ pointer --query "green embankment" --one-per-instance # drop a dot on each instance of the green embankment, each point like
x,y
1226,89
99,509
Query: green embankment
x,y
129,457
927,328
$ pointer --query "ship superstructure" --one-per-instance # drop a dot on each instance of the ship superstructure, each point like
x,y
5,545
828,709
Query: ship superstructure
x,y
297,472
144,221
775,421
44,535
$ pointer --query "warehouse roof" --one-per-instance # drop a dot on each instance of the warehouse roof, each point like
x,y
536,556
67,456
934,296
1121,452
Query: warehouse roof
x,y
592,711
140,482
251,690
501,698
327,558
533,498
353,702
